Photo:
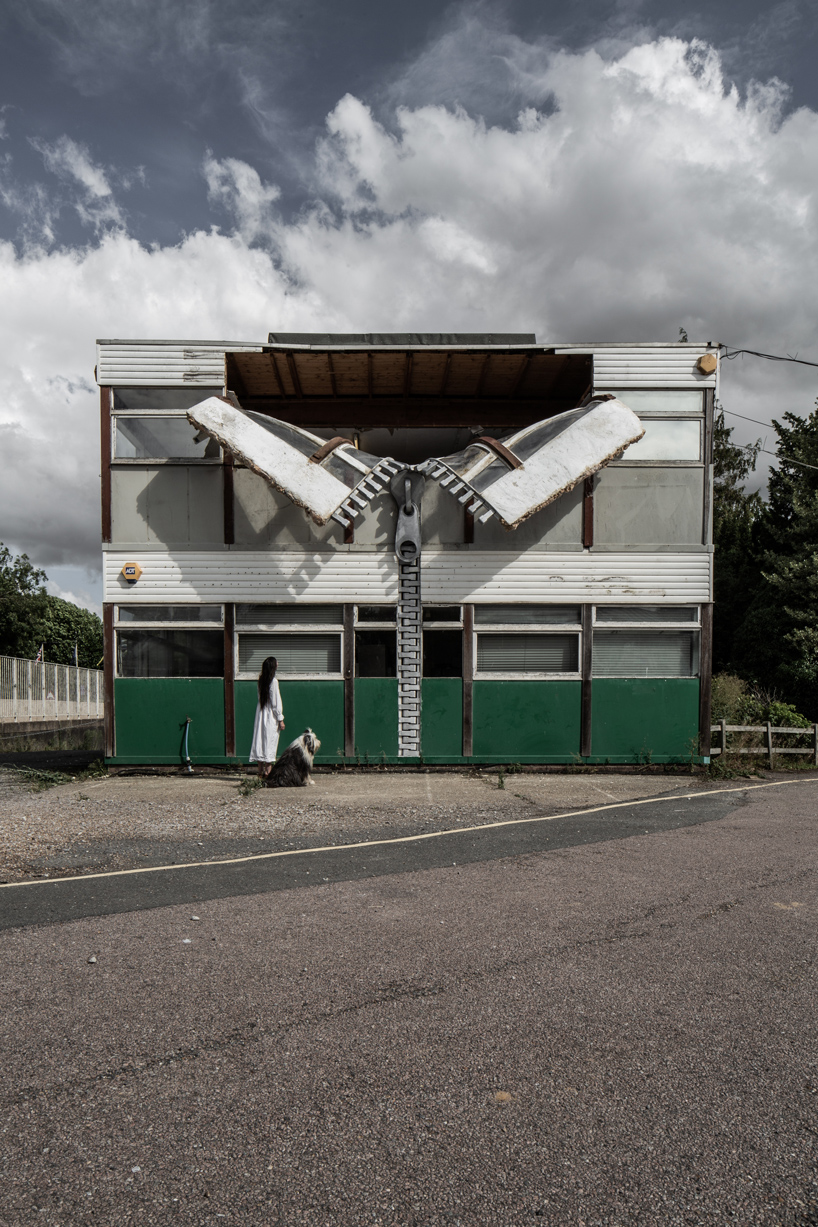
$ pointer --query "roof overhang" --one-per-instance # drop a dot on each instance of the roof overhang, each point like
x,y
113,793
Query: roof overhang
x,y
422,383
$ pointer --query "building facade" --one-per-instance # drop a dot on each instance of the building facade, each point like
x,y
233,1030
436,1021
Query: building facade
x,y
582,635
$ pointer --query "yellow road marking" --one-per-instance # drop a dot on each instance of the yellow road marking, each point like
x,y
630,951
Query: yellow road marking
x,y
399,839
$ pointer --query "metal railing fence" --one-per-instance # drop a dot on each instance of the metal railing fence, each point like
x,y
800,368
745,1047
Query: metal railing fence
x,y
37,690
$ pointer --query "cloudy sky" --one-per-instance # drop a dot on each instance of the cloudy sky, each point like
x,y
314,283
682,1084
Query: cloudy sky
x,y
223,168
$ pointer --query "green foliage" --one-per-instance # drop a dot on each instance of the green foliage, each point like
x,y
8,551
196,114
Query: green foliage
x,y
734,514
737,702
22,604
63,625
29,617
778,640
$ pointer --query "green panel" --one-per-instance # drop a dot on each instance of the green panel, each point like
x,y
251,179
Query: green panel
x,y
645,719
518,720
318,705
376,717
151,712
441,717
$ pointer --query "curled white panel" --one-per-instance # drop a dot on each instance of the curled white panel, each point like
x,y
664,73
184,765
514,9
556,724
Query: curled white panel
x,y
284,455
539,463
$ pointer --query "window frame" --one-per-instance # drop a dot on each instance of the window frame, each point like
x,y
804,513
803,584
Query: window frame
x,y
694,626
525,628
290,628
156,460
662,415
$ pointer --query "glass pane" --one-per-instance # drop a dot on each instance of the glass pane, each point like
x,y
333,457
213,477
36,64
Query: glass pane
x,y
665,400
376,654
289,615
679,440
294,653
644,654
441,613
161,439
527,653
646,613
443,653
161,398
170,613
171,653
377,613
544,615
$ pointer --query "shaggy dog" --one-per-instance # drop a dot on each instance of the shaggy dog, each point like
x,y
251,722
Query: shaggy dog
x,y
293,769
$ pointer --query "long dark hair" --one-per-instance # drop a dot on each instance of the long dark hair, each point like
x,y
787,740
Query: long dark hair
x,y
265,681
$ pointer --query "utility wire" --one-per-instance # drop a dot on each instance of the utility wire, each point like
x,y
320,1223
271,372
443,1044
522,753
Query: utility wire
x,y
734,353
745,447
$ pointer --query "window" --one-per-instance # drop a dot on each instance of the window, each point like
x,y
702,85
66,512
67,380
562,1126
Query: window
x,y
442,613
645,653
295,634
532,653
161,438
297,655
647,613
170,399
377,613
532,615
290,615
661,400
170,613
443,653
144,652
668,439
376,653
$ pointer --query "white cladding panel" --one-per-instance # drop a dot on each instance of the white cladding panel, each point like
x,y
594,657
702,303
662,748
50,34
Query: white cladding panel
x,y
648,366
447,577
178,364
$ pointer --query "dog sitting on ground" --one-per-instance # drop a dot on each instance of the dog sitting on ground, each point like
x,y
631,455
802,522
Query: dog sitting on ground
x,y
294,768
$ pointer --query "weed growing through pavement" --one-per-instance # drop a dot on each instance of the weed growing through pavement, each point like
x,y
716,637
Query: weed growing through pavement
x,y
249,785
501,779
39,779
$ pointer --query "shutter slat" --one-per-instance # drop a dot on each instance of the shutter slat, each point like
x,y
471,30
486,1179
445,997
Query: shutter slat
x,y
527,653
644,654
294,653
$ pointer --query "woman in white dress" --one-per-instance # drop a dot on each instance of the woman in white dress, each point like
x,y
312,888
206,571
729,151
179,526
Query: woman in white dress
x,y
269,718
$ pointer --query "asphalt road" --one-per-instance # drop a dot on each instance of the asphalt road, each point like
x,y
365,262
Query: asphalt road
x,y
612,1027
50,901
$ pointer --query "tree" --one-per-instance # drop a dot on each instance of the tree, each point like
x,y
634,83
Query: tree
x,y
778,640
29,618
23,603
736,573
65,626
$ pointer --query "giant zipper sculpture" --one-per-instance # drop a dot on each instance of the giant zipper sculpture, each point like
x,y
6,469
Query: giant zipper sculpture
x,y
512,478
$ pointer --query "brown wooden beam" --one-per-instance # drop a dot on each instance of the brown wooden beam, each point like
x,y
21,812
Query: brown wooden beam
x,y
468,681
332,381
586,712
349,681
293,369
705,679
233,380
407,376
229,680
108,677
277,374
105,459
588,514
707,517
446,368
369,374
484,366
228,504
518,382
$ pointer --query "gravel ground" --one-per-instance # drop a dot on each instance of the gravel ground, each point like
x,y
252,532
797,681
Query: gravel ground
x,y
616,1034
132,821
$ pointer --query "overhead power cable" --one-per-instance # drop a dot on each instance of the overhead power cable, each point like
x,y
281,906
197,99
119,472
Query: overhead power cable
x,y
734,353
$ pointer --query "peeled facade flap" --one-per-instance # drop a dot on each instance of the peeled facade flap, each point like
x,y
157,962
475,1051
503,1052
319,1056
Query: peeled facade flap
x,y
512,478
